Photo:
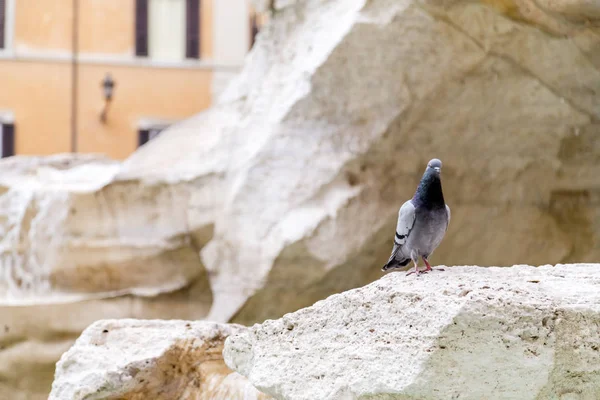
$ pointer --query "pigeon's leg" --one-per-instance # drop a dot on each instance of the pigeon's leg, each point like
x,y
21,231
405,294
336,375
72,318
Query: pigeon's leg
x,y
416,271
429,266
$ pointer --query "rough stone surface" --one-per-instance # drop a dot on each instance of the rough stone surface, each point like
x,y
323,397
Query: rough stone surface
x,y
77,246
150,359
287,190
317,142
34,336
467,333
70,228
328,128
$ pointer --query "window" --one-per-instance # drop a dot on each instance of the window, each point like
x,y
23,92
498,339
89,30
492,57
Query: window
x,y
167,30
192,29
2,22
7,139
141,28
7,12
146,135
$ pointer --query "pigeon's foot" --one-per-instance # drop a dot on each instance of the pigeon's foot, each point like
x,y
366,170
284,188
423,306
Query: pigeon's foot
x,y
432,269
428,268
415,270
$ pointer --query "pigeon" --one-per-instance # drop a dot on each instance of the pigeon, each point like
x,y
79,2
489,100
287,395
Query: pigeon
x,y
422,223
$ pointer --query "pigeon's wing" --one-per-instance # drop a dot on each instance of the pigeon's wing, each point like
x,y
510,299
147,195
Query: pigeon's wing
x,y
448,211
406,221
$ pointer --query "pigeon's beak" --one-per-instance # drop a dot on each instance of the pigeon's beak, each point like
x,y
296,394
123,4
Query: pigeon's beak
x,y
437,169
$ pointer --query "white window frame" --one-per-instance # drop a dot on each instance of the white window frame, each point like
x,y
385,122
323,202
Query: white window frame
x,y
155,126
153,45
155,131
6,117
149,123
9,28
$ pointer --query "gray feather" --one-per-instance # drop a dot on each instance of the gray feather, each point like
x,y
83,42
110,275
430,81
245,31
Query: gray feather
x,y
406,221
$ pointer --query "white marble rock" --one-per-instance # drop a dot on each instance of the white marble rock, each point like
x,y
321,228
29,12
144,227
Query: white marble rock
x,y
468,333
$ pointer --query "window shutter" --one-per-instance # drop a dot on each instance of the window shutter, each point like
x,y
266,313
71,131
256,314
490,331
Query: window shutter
x,y
2,21
141,28
192,29
8,140
143,137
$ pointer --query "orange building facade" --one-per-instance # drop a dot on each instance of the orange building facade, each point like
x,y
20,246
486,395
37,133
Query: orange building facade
x,y
165,59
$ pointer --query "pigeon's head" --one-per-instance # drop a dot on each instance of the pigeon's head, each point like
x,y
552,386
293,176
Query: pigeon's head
x,y
435,164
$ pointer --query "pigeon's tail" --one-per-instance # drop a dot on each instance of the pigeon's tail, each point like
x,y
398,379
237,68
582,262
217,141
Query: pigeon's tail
x,y
395,263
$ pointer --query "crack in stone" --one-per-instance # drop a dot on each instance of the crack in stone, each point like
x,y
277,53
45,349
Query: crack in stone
x,y
511,61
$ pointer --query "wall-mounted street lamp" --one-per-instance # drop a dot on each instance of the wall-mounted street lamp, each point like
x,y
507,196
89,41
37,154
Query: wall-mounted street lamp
x,y
108,86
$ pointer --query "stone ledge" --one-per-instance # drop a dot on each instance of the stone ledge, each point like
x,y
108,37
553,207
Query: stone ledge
x,y
469,333
132,359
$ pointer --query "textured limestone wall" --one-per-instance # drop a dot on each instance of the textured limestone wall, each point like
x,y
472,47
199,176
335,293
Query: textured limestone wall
x,y
287,190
